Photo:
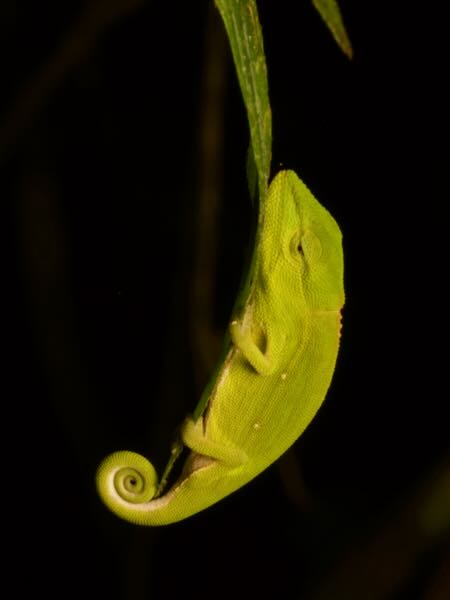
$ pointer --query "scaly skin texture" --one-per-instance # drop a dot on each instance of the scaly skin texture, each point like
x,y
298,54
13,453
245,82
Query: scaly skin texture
x,y
282,349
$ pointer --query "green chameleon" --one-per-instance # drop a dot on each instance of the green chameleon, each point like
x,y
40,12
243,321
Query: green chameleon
x,y
278,364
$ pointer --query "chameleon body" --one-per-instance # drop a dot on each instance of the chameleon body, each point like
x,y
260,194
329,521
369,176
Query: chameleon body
x,y
280,356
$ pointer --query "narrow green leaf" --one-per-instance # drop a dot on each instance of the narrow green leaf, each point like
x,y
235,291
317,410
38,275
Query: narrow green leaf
x,y
242,25
331,14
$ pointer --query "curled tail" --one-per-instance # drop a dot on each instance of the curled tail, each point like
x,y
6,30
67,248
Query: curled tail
x,y
127,482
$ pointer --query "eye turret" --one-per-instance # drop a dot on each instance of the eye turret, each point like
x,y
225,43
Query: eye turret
x,y
296,246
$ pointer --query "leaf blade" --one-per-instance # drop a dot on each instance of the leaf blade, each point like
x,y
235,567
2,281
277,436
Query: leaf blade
x,y
331,15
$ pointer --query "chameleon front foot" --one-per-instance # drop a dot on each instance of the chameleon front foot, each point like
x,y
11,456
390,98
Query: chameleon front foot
x,y
242,338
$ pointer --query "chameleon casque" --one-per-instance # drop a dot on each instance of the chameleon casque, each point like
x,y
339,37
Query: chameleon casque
x,y
279,359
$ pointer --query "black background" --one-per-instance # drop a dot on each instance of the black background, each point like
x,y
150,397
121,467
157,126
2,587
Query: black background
x,y
99,151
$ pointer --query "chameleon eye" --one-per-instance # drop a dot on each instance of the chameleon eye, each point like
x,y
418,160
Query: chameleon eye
x,y
296,246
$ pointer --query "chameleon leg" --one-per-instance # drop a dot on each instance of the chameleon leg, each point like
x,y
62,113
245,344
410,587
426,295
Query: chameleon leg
x,y
195,438
243,340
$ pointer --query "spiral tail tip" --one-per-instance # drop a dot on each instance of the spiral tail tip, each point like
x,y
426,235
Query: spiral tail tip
x,y
126,478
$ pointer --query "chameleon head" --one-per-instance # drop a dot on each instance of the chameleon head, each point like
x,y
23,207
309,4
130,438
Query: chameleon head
x,y
304,251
